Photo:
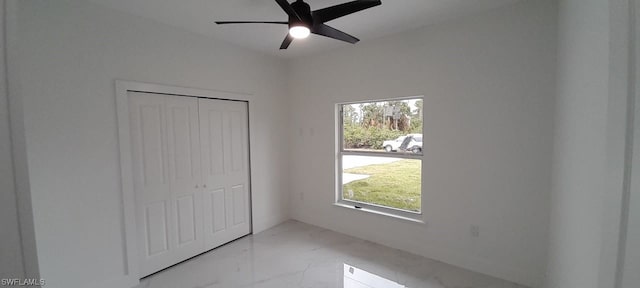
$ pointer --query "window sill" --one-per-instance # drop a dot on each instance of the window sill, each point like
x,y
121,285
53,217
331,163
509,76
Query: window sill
x,y
372,211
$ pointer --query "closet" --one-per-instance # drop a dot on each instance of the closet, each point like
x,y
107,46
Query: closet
x,y
191,175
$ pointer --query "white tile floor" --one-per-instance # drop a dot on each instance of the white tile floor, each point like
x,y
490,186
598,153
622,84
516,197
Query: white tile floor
x,y
295,254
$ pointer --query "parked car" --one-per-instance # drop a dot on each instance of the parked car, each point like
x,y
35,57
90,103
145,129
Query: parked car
x,y
412,142
393,145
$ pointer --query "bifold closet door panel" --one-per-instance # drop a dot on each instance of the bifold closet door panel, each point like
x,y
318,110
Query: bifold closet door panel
x,y
183,134
152,187
225,165
167,179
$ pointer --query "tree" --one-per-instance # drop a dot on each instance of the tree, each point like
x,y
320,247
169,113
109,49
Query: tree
x,y
416,124
349,115
419,106
372,115
401,117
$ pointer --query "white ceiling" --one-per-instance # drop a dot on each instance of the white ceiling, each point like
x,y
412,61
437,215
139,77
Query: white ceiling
x,y
391,17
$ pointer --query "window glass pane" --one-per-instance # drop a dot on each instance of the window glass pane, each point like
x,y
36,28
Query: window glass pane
x,y
383,181
383,126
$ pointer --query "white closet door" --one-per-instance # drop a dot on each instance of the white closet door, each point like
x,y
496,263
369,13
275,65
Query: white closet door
x,y
225,166
167,177
183,134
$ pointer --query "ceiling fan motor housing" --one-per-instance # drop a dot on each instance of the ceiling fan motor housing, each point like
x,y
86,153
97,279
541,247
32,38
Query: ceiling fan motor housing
x,y
304,12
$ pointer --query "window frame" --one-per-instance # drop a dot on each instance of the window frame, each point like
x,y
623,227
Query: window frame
x,y
340,151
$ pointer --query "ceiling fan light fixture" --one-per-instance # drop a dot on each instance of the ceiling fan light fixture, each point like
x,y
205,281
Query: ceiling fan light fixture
x,y
299,32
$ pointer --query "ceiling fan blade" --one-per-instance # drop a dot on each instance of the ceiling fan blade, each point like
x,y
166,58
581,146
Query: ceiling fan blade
x,y
287,41
337,11
251,22
284,4
328,31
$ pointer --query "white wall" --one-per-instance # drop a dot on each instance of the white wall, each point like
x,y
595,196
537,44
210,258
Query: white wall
x,y
10,249
580,146
67,54
489,86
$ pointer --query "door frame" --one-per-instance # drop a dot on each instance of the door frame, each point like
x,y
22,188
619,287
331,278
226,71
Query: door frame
x,y
123,88
624,82
632,167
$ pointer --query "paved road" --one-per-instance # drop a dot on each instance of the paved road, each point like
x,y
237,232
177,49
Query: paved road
x,y
351,161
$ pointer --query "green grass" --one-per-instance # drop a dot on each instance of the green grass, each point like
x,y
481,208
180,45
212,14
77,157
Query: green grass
x,y
395,185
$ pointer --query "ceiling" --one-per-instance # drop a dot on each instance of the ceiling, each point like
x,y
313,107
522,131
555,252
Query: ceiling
x,y
391,17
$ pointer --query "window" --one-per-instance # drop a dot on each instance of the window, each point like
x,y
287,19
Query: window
x,y
380,156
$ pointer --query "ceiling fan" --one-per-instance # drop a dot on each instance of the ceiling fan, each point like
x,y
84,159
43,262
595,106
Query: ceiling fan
x,y
303,21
